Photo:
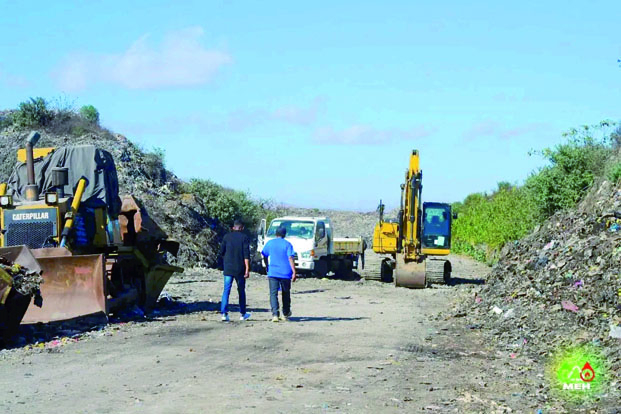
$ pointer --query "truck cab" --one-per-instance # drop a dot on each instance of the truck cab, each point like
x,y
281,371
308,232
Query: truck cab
x,y
311,238
317,250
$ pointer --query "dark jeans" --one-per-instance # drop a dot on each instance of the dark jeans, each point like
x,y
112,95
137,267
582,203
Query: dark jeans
x,y
241,290
285,286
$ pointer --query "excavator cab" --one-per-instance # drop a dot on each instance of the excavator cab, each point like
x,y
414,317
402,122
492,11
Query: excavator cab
x,y
436,229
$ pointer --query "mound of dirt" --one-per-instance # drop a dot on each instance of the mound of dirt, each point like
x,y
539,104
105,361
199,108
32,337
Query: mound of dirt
x,y
182,216
559,285
346,223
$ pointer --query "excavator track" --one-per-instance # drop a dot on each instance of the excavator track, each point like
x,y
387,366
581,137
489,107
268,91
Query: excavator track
x,y
437,271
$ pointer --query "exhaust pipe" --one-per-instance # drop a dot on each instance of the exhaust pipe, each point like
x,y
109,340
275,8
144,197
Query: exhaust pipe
x,y
32,190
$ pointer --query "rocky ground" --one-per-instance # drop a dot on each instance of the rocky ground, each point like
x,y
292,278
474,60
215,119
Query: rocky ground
x,y
352,346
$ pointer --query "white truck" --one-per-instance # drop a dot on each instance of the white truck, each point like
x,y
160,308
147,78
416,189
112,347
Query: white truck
x,y
317,250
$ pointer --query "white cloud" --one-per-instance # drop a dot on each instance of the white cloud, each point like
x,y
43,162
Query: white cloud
x,y
367,135
179,61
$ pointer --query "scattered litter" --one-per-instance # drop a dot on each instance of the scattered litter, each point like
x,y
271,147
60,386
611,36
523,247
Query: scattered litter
x,y
562,283
568,305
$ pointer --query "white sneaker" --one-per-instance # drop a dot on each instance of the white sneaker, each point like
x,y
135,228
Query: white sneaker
x,y
225,317
244,317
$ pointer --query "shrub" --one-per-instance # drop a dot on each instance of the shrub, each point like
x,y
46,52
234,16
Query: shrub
x,y
226,205
90,113
32,113
487,222
5,121
155,167
615,173
572,170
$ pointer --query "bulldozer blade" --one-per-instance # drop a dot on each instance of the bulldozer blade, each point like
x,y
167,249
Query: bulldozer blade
x,y
409,274
73,286
21,255
156,279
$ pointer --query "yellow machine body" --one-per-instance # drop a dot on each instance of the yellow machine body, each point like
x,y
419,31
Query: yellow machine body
x,y
99,273
37,152
406,242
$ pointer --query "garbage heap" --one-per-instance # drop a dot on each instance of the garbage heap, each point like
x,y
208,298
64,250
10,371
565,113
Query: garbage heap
x,y
143,175
560,285
18,285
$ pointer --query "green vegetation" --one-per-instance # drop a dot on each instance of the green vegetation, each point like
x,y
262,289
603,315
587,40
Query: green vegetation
x,y
615,173
226,205
487,221
154,164
90,113
59,117
32,114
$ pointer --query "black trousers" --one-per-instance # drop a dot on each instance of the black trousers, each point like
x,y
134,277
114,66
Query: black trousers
x,y
285,287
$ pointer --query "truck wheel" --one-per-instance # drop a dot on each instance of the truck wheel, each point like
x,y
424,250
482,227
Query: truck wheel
x,y
386,271
321,268
343,268
348,268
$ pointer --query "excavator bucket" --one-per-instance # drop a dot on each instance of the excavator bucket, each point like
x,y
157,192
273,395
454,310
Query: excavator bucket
x,y
72,286
156,280
409,274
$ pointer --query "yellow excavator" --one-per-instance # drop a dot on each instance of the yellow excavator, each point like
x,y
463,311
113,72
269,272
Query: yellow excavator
x,y
419,240
61,212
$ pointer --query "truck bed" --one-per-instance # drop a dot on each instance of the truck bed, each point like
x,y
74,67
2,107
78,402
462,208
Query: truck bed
x,y
348,245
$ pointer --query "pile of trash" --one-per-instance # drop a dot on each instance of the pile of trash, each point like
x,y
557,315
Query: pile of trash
x,y
26,282
18,285
560,285
143,175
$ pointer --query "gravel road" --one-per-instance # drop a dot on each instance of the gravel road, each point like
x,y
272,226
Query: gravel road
x,y
352,346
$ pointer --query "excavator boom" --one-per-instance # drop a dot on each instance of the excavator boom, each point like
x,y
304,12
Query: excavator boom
x,y
419,233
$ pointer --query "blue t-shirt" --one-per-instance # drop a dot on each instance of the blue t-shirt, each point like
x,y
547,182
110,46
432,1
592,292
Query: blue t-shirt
x,y
279,251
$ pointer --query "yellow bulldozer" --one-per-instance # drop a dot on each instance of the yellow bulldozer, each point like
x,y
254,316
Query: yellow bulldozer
x,y
61,212
419,240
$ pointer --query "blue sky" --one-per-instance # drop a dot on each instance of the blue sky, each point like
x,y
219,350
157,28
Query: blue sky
x,y
319,105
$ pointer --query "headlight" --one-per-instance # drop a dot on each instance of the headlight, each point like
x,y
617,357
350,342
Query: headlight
x,y
308,254
6,201
51,198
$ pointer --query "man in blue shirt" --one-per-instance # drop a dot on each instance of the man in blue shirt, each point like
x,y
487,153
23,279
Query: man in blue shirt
x,y
278,256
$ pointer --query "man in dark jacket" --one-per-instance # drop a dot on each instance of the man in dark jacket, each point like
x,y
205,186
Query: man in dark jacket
x,y
235,251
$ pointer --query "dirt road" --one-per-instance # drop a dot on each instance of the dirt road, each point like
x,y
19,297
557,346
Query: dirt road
x,y
351,347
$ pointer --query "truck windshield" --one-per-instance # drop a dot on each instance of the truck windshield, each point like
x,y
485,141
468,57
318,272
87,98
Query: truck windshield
x,y
302,229
436,225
